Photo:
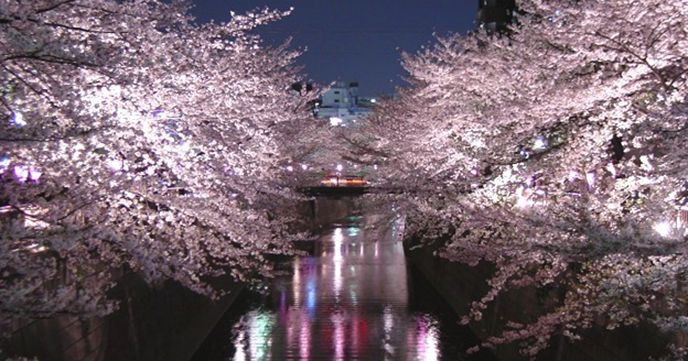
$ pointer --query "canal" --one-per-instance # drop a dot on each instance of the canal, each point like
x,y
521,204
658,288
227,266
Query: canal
x,y
352,298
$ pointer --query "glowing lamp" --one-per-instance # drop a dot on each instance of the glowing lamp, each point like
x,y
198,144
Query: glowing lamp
x,y
4,163
540,143
664,229
17,119
21,173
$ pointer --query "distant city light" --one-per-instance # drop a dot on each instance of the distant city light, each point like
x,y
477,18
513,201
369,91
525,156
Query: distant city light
x,y
4,163
17,119
373,100
540,143
340,167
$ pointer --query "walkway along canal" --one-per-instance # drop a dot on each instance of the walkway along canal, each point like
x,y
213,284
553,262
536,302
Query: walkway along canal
x,y
353,298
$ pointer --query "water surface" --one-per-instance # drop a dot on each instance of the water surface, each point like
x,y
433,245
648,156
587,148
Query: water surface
x,y
353,299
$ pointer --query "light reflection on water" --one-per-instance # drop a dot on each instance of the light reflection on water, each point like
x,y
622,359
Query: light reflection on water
x,y
349,303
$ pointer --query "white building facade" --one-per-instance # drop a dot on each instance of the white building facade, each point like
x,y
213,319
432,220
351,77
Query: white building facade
x,y
343,106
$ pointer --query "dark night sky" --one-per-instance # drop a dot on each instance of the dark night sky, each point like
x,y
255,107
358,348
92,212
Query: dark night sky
x,y
354,40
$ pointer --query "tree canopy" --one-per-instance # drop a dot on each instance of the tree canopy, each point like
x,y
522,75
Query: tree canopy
x,y
558,154
133,138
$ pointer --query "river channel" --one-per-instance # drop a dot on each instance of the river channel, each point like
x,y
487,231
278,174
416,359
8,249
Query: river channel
x,y
352,298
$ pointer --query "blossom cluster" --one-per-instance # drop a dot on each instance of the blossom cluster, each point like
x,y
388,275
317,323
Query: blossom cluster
x,y
556,152
133,139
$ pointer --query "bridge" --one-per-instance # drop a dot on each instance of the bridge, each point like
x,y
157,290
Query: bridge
x,y
343,191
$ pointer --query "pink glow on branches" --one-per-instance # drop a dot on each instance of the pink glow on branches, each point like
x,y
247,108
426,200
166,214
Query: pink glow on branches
x,y
106,180
595,102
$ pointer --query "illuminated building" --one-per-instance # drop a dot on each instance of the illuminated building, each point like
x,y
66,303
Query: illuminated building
x,y
342,105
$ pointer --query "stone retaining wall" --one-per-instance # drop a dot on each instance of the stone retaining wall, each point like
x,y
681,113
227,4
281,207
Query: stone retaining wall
x,y
164,323
460,285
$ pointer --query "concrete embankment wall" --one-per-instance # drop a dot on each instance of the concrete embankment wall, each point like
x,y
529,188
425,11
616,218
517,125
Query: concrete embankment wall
x,y
460,285
153,323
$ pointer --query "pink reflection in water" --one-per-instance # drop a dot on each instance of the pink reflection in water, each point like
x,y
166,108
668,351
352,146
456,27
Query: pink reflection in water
x,y
311,320
338,260
427,342
240,347
296,282
305,338
339,338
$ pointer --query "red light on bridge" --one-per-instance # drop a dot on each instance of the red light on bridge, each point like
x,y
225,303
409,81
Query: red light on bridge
x,y
343,181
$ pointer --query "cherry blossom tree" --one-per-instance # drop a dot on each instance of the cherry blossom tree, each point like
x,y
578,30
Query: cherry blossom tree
x,y
317,148
134,139
557,154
